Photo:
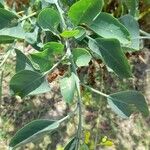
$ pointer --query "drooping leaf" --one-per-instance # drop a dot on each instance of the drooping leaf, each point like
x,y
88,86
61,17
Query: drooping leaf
x,y
107,26
49,19
32,131
22,62
69,33
125,102
113,56
133,27
81,56
71,145
46,58
7,18
27,81
67,87
84,11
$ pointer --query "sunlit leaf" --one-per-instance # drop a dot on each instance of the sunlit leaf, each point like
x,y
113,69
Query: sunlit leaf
x,y
69,33
107,26
84,11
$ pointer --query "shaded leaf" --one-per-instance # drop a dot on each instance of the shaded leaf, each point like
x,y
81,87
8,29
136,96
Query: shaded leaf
x,y
81,34
71,145
124,103
7,18
114,57
84,11
49,19
133,27
107,26
25,82
81,56
22,62
67,87
32,131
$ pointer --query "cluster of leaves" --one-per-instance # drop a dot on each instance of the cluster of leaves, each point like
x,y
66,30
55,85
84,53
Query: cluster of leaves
x,y
72,38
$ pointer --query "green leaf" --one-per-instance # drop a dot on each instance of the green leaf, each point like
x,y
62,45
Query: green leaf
x,y
8,35
107,26
84,11
67,87
125,102
132,6
113,56
55,47
84,147
71,145
69,33
27,81
82,33
45,59
133,27
49,19
32,131
92,44
7,18
81,56
22,62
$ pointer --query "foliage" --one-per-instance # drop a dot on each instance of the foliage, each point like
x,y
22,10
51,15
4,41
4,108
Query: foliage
x,y
73,38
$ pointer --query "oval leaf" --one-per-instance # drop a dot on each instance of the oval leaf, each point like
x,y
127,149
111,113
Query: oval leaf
x,y
84,11
27,81
114,57
49,19
32,131
133,27
124,103
69,33
107,26
67,87
81,56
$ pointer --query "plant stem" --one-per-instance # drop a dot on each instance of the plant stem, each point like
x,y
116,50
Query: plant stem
x,y
29,16
69,54
49,71
10,48
94,90
144,33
